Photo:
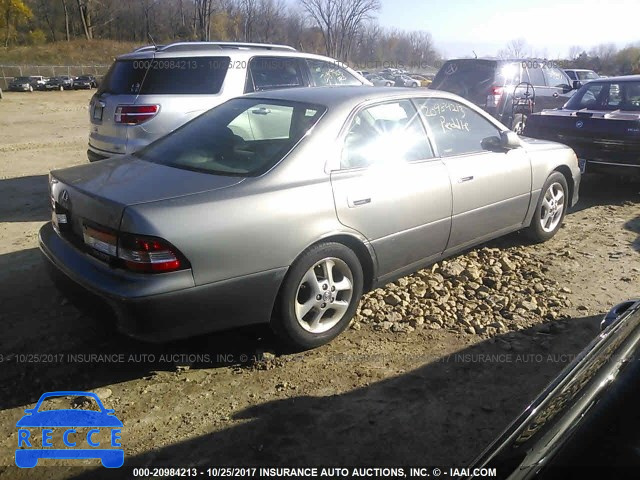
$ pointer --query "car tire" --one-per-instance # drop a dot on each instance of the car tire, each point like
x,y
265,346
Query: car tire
x,y
550,209
519,122
324,276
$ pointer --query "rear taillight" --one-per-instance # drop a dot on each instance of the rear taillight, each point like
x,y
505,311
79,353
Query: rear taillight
x,y
493,99
135,114
149,254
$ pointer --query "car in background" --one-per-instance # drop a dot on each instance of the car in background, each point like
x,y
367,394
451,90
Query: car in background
x,y
27,84
580,76
53,83
379,81
424,81
66,81
151,91
584,424
21,84
601,123
85,82
299,199
493,84
405,81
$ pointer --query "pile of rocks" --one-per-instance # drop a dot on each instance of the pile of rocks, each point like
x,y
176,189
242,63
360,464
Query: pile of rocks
x,y
488,291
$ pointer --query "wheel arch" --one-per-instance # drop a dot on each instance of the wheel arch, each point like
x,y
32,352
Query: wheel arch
x,y
566,173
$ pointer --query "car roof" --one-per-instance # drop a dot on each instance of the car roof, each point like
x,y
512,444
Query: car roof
x,y
334,96
621,78
235,49
578,70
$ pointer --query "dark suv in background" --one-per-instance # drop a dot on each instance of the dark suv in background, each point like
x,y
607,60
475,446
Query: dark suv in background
x,y
491,84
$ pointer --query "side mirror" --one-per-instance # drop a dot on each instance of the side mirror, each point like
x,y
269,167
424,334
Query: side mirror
x,y
509,140
576,84
615,313
493,144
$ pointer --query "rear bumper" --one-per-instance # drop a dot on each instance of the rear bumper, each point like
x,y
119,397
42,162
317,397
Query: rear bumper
x,y
94,156
159,307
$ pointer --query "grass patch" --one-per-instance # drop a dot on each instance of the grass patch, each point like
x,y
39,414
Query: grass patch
x,y
75,52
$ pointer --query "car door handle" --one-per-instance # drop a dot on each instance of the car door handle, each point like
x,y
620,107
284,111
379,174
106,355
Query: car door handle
x,y
556,95
465,179
358,202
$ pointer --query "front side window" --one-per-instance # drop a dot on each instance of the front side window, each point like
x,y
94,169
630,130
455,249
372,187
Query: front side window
x,y
384,133
242,137
270,73
325,73
455,128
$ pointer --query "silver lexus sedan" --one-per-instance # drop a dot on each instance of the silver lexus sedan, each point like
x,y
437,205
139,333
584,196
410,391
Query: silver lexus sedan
x,y
284,207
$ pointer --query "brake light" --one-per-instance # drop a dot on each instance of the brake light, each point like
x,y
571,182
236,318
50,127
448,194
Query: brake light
x,y
149,254
135,114
493,99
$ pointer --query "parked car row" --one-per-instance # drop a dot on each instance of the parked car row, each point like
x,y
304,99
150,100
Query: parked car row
x,y
62,82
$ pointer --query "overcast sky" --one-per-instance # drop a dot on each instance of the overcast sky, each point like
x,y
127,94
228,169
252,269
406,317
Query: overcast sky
x,y
551,27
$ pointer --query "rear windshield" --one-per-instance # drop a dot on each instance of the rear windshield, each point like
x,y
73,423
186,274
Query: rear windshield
x,y
587,75
468,73
472,79
606,96
242,137
184,75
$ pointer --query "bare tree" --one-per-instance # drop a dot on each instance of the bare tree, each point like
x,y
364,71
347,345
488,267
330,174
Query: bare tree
x,y
66,19
202,20
516,48
339,22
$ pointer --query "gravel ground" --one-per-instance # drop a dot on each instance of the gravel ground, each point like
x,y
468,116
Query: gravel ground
x,y
433,367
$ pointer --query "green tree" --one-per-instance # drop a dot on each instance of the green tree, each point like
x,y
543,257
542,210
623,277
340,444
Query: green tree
x,y
14,13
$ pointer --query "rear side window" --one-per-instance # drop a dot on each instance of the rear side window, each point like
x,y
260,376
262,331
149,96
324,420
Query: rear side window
x,y
536,78
242,137
325,73
174,76
607,96
270,73
555,78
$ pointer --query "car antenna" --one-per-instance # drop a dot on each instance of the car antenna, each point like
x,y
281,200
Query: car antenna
x,y
152,41
474,53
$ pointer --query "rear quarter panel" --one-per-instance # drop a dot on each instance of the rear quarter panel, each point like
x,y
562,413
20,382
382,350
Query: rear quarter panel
x,y
261,224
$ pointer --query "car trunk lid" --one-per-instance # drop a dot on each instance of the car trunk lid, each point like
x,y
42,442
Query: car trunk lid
x,y
89,200
611,136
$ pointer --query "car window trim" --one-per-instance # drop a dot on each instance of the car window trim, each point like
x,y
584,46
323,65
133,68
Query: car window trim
x,y
336,164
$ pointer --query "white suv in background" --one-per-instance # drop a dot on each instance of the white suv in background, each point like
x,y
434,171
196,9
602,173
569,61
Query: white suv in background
x,y
155,89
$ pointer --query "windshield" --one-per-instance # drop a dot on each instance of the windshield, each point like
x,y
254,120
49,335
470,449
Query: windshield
x,y
174,76
607,96
242,137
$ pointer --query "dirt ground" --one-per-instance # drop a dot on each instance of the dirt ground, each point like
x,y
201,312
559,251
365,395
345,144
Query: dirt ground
x,y
371,397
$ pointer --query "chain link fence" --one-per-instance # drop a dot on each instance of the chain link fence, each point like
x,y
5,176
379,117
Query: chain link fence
x,y
9,72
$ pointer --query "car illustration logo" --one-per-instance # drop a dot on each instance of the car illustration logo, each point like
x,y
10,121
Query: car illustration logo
x,y
101,441
579,124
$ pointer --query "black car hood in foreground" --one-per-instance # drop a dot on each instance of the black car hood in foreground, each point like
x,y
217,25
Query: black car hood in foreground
x,y
587,422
